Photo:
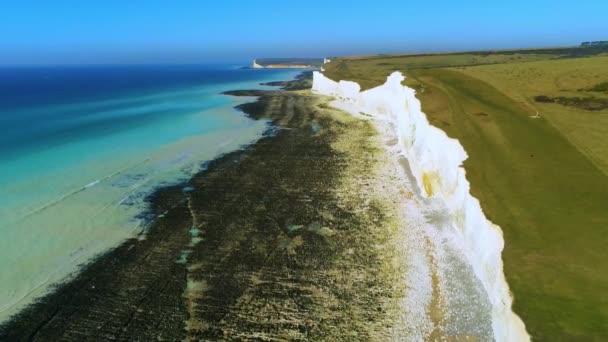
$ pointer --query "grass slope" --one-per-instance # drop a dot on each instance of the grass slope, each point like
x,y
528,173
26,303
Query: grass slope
x,y
564,78
537,178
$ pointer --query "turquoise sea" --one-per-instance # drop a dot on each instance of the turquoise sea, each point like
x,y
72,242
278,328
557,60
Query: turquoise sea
x,y
81,147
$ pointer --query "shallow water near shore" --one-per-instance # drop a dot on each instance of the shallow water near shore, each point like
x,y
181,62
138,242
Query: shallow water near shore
x,y
83,147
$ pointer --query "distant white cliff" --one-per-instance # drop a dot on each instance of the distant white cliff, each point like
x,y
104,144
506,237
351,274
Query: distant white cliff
x,y
436,163
255,65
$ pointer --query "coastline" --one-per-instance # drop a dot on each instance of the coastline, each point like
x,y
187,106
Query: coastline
x,y
316,231
72,198
224,247
146,217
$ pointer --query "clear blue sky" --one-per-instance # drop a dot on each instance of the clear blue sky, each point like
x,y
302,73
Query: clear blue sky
x,y
151,31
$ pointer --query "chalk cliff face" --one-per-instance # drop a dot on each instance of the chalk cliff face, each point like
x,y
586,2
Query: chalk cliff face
x,y
436,163
255,65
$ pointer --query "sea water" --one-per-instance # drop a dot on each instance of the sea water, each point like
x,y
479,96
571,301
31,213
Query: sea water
x,y
82,146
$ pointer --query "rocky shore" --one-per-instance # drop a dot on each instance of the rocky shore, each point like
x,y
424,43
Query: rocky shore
x,y
287,239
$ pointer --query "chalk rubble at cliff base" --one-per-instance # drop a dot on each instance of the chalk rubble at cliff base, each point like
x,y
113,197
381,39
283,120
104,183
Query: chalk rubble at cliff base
x,y
435,161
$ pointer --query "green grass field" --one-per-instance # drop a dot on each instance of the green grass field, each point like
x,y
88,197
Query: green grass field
x,y
543,180
570,78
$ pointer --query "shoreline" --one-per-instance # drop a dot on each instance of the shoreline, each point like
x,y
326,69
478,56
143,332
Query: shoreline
x,y
226,246
316,231
154,209
71,201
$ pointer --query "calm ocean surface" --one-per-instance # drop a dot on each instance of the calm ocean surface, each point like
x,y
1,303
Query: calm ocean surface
x,y
81,148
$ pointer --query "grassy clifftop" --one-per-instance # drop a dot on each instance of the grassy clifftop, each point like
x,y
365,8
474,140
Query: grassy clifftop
x,y
539,168
371,71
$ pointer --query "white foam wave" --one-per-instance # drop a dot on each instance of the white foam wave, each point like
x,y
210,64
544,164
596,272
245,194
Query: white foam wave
x,y
83,188
92,184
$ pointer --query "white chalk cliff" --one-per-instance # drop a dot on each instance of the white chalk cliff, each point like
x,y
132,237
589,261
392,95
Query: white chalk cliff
x,y
255,65
436,163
